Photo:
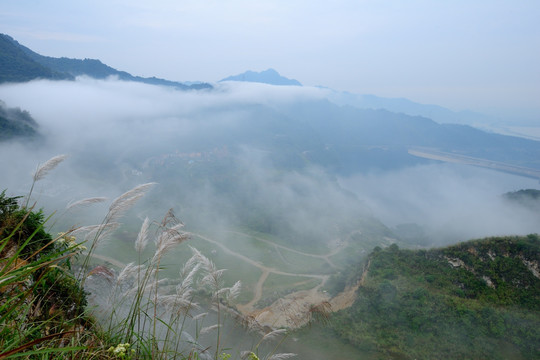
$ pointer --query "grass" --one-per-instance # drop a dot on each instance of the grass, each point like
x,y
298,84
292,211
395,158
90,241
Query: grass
x,y
43,307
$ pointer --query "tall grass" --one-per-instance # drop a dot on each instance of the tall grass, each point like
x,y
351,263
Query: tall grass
x,y
135,314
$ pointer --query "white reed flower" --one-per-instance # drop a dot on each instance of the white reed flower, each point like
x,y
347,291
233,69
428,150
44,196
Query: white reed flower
x,y
207,329
122,203
281,356
86,202
273,334
142,237
49,165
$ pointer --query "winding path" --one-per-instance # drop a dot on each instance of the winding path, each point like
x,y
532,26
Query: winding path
x,y
324,257
266,271
310,296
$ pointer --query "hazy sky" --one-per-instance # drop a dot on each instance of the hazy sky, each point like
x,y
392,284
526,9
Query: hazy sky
x,y
463,54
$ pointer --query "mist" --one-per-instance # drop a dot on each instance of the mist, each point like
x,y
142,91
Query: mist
x,y
451,202
116,132
235,163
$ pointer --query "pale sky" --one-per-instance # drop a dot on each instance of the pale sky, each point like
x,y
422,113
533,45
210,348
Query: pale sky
x,y
481,55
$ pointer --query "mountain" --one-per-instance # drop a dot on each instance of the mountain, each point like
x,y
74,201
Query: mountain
x,y
364,139
270,76
16,123
406,106
478,299
19,64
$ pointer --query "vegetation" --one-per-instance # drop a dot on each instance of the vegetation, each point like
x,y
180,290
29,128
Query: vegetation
x,y
16,123
46,281
479,299
17,66
528,198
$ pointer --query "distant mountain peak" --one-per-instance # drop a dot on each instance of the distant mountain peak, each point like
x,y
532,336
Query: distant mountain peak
x,y
269,76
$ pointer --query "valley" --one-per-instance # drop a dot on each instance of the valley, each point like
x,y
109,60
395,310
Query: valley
x,y
347,218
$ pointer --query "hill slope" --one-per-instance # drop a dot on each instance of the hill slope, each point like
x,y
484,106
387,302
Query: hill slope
x,y
18,63
17,66
15,122
479,299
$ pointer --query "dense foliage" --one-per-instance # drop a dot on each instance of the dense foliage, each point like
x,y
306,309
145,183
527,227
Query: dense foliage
x,y
41,303
17,66
15,122
479,299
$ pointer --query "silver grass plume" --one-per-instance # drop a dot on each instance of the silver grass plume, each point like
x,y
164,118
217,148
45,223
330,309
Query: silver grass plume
x,y
186,286
122,203
213,279
49,165
273,334
167,239
281,356
207,329
130,270
234,291
189,265
85,202
206,263
170,219
199,316
177,303
142,237
101,232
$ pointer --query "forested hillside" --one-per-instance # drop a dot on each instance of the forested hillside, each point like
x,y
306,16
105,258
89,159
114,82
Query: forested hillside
x,y
17,66
479,300
15,123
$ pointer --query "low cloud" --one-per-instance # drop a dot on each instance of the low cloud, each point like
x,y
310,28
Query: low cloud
x,y
118,134
451,202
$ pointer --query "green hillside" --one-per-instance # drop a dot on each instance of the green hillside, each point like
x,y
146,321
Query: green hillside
x,y
474,300
17,66
15,122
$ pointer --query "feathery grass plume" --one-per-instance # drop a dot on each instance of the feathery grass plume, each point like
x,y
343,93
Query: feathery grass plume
x,y
104,272
49,165
85,202
206,263
42,171
122,203
176,303
281,356
91,231
142,237
207,329
199,316
168,239
273,334
234,291
251,324
170,219
99,233
128,271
